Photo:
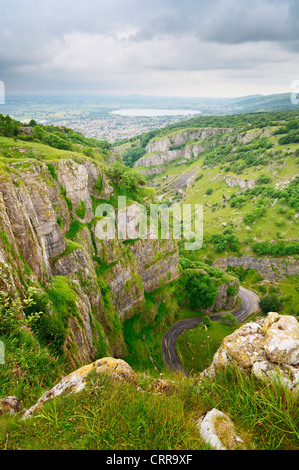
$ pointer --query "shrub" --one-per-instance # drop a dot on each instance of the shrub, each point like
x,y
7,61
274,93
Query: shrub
x,y
81,210
99,184
229,319
280,248
52,171
270,303
225,241
207,321
202,289
232,290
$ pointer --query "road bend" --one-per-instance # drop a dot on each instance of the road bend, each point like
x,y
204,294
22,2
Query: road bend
x,y
249,304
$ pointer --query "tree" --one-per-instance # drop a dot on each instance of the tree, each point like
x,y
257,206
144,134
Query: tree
x,y
202,289
229,319
270,303
126,179
207,321
115,172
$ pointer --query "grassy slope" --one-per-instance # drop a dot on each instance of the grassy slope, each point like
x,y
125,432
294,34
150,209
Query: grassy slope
x,y
281,168
114,415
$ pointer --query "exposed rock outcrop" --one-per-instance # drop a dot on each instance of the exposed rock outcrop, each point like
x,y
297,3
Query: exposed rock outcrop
x,y
174,146
76,381
38,208
223,300
217,430
233,181
181,137
270,268
157,262
268,348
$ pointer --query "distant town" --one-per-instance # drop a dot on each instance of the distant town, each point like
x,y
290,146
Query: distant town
x,y
113,128
93,117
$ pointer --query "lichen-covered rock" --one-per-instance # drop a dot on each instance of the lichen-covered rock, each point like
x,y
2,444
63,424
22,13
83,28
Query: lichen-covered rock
x,y
282,340
117,368
269,349
217,430
76,381
9,405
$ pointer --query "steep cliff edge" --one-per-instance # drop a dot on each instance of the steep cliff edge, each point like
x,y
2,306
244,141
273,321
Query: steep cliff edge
x,y
47,241
185,144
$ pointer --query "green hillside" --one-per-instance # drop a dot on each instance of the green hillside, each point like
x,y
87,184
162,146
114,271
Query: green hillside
x,y
67,299
247,179
248,182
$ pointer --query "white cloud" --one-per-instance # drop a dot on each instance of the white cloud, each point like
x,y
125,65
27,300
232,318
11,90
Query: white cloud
x,y
162,47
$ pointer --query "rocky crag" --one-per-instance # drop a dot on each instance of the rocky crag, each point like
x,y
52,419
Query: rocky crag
x,y
269,268
47,239
267,348
186,144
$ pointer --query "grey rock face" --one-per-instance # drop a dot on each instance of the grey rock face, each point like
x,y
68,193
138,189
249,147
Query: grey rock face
x,y
270,268
105,276
161,151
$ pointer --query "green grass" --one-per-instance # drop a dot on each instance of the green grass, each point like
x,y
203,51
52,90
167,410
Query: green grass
x,y
290,295
114,415
29,369
197,347
44,152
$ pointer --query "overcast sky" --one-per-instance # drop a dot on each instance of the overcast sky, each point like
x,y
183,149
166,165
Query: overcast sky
x,y
152,47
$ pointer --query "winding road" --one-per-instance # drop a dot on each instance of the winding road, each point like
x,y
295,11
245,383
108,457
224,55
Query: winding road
x,y
249,304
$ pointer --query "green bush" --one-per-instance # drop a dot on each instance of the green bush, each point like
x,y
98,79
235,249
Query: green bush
x,y
229,319
270,303
201,288
81,210
232,290
207,321
280,248
225,241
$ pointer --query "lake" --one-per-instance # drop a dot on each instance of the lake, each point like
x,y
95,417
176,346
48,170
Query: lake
x,y
155,112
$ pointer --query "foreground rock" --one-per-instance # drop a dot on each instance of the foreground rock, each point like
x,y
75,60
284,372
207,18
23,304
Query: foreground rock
x,y
9,405
76,381
268,348
217,430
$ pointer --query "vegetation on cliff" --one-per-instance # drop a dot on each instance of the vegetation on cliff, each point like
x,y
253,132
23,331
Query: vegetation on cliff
x,y
79,298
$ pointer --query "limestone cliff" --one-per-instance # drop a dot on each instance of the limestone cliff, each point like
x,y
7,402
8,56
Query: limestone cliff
x,y
186,144
270,268
47,239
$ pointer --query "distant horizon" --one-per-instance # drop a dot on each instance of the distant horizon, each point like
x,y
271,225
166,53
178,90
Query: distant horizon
x,y
138,95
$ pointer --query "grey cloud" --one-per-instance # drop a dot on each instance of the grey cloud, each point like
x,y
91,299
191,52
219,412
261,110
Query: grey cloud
x,y
159,35
263,20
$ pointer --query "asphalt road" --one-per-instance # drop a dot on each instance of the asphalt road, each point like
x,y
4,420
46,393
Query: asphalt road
x,y
249,304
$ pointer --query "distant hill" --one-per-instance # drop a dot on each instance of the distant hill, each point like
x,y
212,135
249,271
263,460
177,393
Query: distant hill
x,y
259,103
